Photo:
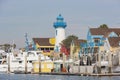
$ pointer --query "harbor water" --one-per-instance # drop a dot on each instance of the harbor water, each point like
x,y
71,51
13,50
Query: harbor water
x,y
54,77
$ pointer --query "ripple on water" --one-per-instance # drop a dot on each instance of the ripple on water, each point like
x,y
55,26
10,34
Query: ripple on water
x,y
53,77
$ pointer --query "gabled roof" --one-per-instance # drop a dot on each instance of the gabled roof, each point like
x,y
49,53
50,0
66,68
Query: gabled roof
x,y
77,42
42,41
114,41
101,31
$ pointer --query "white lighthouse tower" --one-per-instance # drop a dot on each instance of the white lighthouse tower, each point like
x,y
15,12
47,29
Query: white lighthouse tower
x,y
59,26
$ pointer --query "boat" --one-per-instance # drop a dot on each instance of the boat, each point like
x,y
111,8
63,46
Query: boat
x,y
116,69
26,59
23,60
3,62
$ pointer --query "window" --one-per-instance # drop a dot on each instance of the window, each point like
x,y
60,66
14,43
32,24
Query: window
x,y
39,53
47,49
30,54
30,61
51,48
20,61
97,41
42,48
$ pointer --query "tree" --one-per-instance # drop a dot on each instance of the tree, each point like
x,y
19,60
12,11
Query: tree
x,y
64,50
103,26
14,46
6,47
68,40
65,45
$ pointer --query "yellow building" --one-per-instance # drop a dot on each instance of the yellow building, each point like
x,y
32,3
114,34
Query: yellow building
x,y
46,45
44,66
76,48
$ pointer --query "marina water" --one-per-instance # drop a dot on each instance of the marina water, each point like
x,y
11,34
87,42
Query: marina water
x,y
54,77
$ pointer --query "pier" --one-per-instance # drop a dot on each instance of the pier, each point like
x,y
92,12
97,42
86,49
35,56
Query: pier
x,y
78,74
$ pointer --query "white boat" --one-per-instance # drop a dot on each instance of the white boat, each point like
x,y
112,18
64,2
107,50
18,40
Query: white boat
x,y
3,68
103,63
3,64
117,69
22,60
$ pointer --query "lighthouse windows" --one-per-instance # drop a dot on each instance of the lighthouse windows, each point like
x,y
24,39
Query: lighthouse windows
x,y
56,32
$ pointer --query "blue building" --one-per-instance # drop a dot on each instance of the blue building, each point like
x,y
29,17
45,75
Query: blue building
x,y
96,38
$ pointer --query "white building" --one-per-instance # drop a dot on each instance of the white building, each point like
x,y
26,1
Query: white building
x,y
59,26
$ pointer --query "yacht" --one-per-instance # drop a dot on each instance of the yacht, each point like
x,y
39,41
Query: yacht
x,y
22,61
3,61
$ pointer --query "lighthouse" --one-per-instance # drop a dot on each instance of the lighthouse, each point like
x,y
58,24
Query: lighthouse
x,y
59,26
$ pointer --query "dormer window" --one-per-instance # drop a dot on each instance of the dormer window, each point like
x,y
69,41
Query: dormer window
x,y
113,34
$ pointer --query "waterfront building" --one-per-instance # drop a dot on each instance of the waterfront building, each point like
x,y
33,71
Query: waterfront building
x,y
100,39
59,26
112,44
76,48
46,45
95,38
49,45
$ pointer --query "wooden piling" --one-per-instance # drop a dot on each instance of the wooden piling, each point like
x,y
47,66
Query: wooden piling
x,y
99,63
63,60
25,64
39,60
71,53
9,63
110,62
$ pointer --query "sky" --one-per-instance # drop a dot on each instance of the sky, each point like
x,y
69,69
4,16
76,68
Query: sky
x,y
36,17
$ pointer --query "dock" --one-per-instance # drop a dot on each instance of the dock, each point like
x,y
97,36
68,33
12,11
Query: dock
x,y
77,74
